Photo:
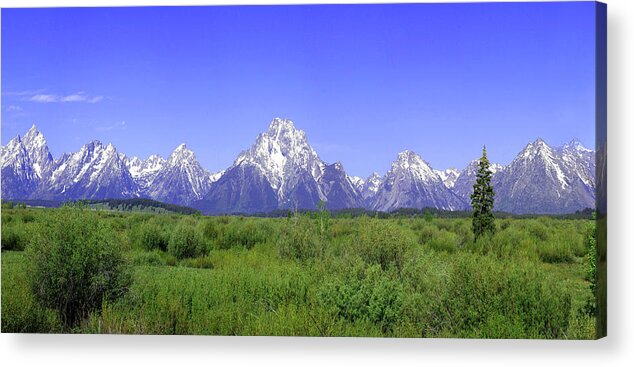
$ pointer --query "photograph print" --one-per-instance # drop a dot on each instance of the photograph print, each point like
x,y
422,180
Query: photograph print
x,y
433,170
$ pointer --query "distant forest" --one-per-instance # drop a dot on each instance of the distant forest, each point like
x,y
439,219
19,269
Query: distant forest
x,y
140,204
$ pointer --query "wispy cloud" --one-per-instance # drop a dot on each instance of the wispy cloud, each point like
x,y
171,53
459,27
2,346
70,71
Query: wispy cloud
x,y
55,98
22,93
116,126
13,108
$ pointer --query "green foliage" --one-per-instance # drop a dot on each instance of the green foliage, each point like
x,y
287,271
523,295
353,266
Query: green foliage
x,y
21,312
205,262
153,237
428,217
365,293
591,269
299,239
7,204
140,204
210,228
152,258
482,199
75,264
444,241
313,274
186,241
245,233
14,238
323,216
384,243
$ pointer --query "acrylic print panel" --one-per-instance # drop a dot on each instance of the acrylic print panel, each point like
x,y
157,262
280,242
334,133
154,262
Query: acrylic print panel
x,y
405,170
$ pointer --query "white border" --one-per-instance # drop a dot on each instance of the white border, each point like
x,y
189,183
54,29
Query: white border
x,y
616,349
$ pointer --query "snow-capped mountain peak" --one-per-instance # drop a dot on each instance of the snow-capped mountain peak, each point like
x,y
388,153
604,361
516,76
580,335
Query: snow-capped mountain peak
x,y
281,170
357,182
448,176
576,145
35,144
412,162
144,171
412,183
179,180
280,153
371,186
34,138
181,155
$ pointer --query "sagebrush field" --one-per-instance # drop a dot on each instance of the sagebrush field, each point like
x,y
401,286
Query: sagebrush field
x,y
85,271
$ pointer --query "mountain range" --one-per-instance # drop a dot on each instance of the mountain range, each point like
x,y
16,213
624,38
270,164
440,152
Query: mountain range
x,y
281,170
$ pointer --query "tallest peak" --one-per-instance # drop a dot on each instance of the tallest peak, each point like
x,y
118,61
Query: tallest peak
x,y
34,137
33,130
181,147
280,124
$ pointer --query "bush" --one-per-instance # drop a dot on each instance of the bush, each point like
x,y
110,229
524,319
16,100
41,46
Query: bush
x,y
28,217
152,258
210,229
14,238
384,243
365,294
444,241
245,233
153,237
486,293
199,262
186,241
427,233
75,264
300,240
21,313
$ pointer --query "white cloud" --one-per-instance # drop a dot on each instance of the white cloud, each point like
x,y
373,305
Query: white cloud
x,y
13,108
44,98
54,98
22,93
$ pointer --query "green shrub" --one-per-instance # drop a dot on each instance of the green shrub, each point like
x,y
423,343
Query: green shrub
x,y
153,237
427,233
555,252
384,243
186,241
486,293
75,264
539,229
28,217
14,238
299,239
343,227
365,294
6,217
205,262
245,233
171,260
444,241
210,229
21,313
152,258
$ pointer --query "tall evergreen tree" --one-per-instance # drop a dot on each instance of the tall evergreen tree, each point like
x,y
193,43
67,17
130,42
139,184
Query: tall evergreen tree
x,y
482,199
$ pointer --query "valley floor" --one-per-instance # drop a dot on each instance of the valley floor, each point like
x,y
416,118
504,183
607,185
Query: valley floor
x,y
321,276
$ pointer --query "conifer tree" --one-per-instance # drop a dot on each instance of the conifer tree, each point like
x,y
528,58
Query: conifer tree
x,y
482,199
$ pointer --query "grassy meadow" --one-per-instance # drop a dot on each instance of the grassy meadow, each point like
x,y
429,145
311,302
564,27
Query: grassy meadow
x,y
308,275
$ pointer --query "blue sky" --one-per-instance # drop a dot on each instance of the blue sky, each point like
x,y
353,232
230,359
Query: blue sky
x,y
364,82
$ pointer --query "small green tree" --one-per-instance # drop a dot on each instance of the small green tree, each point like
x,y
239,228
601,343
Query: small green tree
x,y
186,241
76,263
482,199
324,217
